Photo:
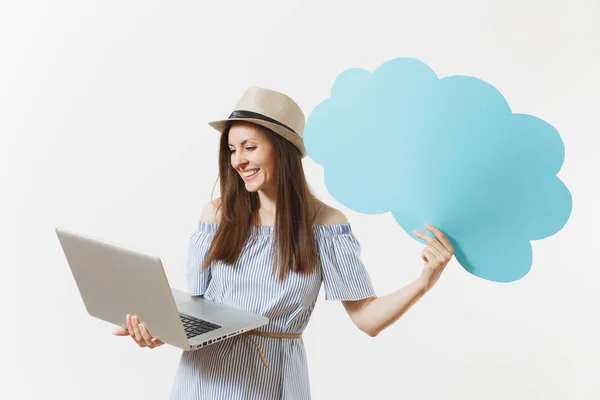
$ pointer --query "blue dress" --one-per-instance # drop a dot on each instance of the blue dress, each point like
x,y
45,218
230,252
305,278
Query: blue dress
x,y
232,369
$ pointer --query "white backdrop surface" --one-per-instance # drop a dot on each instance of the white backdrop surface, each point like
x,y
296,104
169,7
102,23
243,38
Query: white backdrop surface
x,y
103,130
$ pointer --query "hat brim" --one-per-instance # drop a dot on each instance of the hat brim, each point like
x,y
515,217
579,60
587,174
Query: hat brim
x,y
222,125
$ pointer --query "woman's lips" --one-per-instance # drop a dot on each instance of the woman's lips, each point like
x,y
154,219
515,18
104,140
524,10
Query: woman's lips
x,y
247,178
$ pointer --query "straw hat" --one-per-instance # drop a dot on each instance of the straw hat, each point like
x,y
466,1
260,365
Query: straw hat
x,y
270,109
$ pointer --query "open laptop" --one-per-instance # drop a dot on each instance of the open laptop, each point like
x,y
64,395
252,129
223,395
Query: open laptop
x,y
115,281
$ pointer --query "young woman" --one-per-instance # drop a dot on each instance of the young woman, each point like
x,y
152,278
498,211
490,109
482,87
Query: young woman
x,y
266,246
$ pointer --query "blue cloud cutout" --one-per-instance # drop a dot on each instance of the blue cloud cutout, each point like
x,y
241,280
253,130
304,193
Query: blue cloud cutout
x,y
448,152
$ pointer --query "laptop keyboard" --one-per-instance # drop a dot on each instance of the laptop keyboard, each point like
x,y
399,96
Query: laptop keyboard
x,y
196,326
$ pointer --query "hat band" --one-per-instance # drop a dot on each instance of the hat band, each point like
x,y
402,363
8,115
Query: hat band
x,y
255,115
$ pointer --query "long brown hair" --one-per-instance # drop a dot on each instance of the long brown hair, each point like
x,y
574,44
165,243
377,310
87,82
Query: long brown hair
x,y
294,247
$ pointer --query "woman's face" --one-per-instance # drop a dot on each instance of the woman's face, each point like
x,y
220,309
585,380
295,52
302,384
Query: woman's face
x,y
252,156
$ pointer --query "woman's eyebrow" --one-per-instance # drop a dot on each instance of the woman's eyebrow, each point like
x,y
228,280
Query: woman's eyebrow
x,y
244,141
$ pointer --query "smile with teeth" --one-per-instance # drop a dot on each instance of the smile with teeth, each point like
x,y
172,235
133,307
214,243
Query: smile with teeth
x,y
251,173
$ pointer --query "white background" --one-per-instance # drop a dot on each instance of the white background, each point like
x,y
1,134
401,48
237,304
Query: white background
x,y
103,121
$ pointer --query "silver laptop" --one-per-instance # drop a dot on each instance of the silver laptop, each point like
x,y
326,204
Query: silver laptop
x,y
115,281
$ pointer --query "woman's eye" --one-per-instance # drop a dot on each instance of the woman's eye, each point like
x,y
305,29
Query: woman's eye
x,y
250,148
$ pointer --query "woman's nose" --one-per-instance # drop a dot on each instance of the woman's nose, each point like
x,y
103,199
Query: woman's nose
x,y
239,160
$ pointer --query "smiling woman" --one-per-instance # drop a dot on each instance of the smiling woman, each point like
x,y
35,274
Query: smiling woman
x,y
268,245
263,183
252,153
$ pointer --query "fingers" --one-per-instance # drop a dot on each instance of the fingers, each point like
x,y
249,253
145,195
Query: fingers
x,y
427,256
442,238
433,242
142,336
130,326
138,333
150,341
146,336
435,257
136,330
121,332
446,249
432,257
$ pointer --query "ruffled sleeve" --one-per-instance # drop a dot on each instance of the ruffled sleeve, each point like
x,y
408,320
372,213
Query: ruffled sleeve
x,y
344,274
199,243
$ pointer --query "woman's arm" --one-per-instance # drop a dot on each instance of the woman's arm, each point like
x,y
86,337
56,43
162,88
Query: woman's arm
x,y
374,314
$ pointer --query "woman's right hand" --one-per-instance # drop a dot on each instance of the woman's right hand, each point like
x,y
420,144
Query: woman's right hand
x,y
138,333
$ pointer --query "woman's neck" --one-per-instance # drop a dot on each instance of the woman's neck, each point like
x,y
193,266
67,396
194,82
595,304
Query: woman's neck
x,y
268,201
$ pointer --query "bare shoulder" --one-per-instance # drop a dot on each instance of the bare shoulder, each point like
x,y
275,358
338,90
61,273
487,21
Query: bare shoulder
x,y
210,212
328,215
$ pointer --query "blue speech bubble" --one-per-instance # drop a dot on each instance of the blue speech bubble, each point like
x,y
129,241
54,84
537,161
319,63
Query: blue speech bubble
x,y
448,152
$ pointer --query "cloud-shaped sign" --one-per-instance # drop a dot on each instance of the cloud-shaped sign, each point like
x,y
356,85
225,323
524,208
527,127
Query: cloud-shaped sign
x,y
448,152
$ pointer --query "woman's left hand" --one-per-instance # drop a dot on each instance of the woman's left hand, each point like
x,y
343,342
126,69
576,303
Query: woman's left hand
x,y
436,255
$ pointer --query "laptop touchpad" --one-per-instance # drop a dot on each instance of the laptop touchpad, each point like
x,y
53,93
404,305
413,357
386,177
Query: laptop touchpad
x,y
199,307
